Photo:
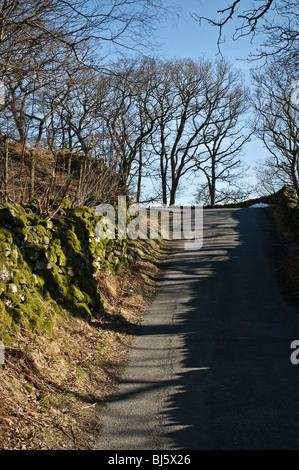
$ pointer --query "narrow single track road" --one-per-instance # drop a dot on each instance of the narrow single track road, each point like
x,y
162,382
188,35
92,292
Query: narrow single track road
x,y
210,368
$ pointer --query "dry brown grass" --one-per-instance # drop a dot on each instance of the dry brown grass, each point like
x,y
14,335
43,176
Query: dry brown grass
x,y
98,181
52,390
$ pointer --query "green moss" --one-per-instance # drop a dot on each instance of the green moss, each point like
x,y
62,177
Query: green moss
x,y
6,324
290,205
12,215
55,253
82,310
48,266
44,400
72,241
78,294
29,387
15,316
12,298
5,236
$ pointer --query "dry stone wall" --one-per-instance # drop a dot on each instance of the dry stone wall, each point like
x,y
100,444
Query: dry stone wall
x,y
50,265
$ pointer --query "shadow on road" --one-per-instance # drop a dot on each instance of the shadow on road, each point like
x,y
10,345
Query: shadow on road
x,y
226,379
238,388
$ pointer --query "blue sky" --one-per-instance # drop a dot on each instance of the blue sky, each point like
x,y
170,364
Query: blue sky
x,y
183,37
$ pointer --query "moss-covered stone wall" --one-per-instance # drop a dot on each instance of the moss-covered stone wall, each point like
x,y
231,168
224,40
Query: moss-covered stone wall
x,y
50,265
290,204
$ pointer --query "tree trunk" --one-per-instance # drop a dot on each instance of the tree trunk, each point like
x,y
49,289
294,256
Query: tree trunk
x,y
70,158
294,172
80,182
173,192
213,183
32,175
138,195
6,158
163,179
69,170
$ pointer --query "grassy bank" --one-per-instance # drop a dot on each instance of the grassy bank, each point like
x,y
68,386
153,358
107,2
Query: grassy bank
x,y
70,308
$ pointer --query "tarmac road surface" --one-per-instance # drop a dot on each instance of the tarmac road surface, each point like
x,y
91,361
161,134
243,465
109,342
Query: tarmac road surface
x,y
210,368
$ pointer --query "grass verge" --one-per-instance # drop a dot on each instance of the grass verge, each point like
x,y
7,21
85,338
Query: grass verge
x,y
53,388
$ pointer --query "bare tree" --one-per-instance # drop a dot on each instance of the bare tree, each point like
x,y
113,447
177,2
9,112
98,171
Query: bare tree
x,y
183,113
200,106
275,21
278,125
228,195
130,117
225,135
123,24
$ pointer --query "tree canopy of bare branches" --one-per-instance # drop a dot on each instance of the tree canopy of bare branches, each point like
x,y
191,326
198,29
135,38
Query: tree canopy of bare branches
x,y
220,156
276,22
77,26
277,125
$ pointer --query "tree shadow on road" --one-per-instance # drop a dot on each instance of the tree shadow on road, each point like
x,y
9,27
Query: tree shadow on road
x,y
236,387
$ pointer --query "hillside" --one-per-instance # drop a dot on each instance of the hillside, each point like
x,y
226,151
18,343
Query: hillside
x,y
47,176
70,308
